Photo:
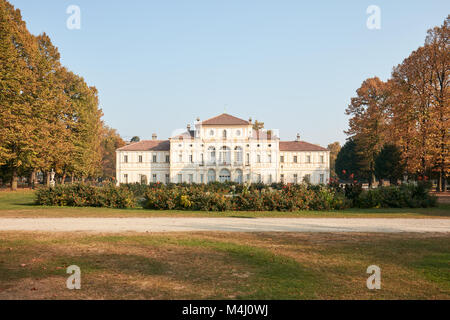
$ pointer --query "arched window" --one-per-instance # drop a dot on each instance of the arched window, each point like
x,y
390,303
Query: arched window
x,y
225,176
238,155
225,156
212,154
211,176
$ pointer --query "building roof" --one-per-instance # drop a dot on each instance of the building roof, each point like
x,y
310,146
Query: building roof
x,y
148,145
299,146
225,119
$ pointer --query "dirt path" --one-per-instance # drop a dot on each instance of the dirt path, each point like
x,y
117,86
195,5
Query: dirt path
x,y
226,224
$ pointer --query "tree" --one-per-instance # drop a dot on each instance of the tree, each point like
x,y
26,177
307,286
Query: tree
x,y
18,138
111,141
437,45
348,163
388,164
367,126
334,149
135,139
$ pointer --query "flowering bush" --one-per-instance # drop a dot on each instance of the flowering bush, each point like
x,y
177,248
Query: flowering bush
x,y
198,197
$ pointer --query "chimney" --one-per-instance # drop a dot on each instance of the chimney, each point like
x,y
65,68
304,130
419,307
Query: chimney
x,y
198,119
298,137
154,136
189,128
250,120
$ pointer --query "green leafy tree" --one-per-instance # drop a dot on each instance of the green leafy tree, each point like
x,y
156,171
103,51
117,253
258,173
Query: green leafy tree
x,y
348,163
388,164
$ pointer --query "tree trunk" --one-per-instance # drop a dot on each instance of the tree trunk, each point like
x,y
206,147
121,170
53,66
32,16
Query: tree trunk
x,y
14,179
33,179
47,179
63,179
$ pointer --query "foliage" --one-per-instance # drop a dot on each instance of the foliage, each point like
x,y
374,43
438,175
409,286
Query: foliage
x,y
411,111
83,195
348,161
49,117
334,149
404,196
388,164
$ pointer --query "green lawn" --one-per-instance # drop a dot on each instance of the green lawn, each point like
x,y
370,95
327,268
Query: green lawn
x,y
224,266
20,205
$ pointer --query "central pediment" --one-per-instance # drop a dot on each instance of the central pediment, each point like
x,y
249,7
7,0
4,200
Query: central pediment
x,y
225,120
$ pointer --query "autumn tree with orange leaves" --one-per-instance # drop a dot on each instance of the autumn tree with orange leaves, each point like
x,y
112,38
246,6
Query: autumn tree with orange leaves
x,y
410,110
49,117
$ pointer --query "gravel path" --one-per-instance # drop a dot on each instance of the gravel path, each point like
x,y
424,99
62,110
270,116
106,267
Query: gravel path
x,y
226,224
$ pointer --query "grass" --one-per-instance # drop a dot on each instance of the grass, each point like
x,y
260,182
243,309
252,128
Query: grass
x,y
20,205
224,265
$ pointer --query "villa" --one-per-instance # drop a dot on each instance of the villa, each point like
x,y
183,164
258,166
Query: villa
x,y
223,148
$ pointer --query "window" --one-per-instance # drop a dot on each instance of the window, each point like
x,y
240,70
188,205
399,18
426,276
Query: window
x,y
224,176
322,159
282,159
140,159
225,155
211,133
167,159
238,155
212,155
224,134
125,159
238,133
308,159
270,158
155,158
258,158
295,159
143,179
202,178
155,178
125,178
270,179
180,158
259,177
295,178
282,178
191,178
180,178
322,178
167,178
211,176
239,176
191,158
248,159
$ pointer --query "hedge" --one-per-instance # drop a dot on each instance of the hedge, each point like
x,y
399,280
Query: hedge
x,y
236,197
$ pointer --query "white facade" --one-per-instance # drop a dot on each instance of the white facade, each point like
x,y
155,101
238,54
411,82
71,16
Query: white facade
x,y
222,149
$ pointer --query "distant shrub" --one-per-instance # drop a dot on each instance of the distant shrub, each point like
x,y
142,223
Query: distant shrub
x,y
81,195
403,196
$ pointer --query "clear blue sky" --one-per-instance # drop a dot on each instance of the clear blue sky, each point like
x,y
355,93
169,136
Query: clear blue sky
x,y
291,64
